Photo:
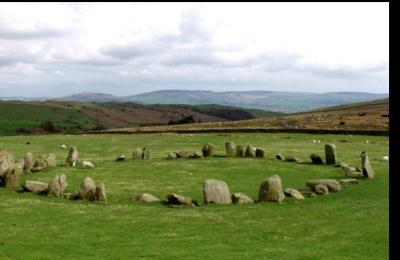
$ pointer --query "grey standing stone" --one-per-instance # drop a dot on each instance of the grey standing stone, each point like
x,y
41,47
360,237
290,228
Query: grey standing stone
x,y
333,185
250,151
6,161
230,148
367,170
290,192
72,157
217,192
316,159
241,198
271,190
100,194
87,189
239,151
137,154
28,162
13,175
208,149
145,154
57,186
51,160
260,153
330,154
147,198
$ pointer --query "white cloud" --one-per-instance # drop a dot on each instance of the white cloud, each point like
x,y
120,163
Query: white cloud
x,y
126,48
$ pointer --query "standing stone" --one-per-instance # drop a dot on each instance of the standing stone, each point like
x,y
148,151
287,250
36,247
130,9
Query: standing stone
x,y
72,157
51,160
333,185
6,161
260,153
271,190
57,186
137,154
230,149
250,151
290,192
216,191
87,189
367,170
330,154
208,149
13,175
36,187
176,199
239,151
280,156
147,198
241,198
145,154
316,159
100,194
28,162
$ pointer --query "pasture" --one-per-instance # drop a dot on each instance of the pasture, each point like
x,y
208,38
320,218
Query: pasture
x,y
351,224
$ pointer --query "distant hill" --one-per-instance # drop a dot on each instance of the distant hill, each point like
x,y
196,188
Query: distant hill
x,y
371,116
286,102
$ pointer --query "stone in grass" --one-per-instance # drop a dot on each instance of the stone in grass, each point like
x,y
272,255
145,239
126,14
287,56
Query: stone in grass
x,y
100,194
137,154
241,198
184,154
172,156
145,154
349,180
176,199
147,198
36,187
316,159
330,154
120,158
28,161
290,192
197,155
51,160
250,151
230,148
216,192
352,172
367,170
87,189
57,186
321,189
208,149
260,153
72,157
40,163
13,175
239,151
6,161
333,185
280,156
341,164
271,190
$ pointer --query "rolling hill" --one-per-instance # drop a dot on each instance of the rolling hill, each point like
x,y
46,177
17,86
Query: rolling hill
x,y
286,102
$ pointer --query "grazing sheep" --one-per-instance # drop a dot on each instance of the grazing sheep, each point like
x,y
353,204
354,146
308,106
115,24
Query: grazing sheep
x,y
386,158
64,146
87,165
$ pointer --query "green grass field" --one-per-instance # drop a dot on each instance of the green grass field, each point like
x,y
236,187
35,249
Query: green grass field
x,y
16,116
351,224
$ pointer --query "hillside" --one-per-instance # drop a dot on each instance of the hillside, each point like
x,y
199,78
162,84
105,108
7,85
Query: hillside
x,y
287,102
28,117
365,116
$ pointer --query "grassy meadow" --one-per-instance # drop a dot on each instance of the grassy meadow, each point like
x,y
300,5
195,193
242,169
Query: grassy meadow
x,y
351,224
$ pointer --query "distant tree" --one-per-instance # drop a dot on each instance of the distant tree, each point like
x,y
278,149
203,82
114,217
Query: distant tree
x,y
184,120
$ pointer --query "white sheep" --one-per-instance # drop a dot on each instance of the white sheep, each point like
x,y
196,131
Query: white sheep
x,y
64,146
87,165
386,158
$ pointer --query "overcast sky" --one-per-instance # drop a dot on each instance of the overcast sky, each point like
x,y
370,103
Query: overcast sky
x,y
55,49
